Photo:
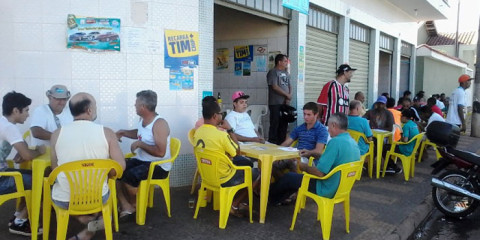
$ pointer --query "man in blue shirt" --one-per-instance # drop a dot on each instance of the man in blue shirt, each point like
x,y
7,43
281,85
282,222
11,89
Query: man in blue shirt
x,y
359,124
312,137
340,150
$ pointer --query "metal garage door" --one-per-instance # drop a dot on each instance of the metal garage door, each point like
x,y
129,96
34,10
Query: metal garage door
x,y
359,59
321,61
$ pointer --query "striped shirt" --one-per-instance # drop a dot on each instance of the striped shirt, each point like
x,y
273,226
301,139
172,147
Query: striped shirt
x,y
333,98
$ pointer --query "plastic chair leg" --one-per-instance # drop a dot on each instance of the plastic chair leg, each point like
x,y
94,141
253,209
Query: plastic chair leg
x,y
226,199
166,195
113,198
385,163
406,168
370,165
250,202
194,182
326,219
142,202
62,217
297,209
107,221
47,209
216,201
202,193
346,208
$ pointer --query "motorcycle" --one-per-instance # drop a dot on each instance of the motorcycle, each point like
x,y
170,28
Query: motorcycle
x,y
455,191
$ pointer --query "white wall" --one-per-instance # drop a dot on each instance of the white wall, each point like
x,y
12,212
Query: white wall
x,y
33,57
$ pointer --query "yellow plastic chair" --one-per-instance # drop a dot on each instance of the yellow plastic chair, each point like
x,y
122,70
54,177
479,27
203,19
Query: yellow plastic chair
x,y
86,179
147,187
349,173
21,192
424,145
191,133
371,150
208,163
408,162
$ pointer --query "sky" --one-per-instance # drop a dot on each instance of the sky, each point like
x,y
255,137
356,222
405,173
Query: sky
x,y
469,17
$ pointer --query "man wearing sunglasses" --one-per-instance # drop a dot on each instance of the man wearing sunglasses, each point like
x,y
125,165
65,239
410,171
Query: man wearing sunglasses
x,y
47,118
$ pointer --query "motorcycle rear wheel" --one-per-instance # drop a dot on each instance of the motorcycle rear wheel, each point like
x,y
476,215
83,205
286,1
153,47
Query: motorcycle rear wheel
x,y
452,204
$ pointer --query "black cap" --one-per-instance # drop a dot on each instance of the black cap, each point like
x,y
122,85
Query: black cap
x,y
345,67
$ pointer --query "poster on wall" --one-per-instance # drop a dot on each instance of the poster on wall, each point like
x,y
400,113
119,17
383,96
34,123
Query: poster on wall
x,y
271,59
93,34
238,69
221,58
259,63
243,53
181,79
181,49
299,5
246,69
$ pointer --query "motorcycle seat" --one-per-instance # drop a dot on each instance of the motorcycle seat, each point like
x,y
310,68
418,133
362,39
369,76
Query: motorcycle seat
x,y
466,155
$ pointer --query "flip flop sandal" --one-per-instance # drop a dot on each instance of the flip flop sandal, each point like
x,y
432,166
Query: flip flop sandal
x,y
125,213
235,211
96,225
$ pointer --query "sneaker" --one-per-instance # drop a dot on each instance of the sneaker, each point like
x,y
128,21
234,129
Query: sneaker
x,y
23,229
393,170
95,225
390,170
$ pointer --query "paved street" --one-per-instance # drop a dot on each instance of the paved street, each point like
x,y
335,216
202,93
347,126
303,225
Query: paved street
x,y
380,209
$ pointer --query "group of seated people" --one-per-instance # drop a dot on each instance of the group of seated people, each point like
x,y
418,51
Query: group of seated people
x,y
72,135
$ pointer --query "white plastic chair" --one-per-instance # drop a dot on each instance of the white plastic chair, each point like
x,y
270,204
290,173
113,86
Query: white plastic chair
x,y
256,112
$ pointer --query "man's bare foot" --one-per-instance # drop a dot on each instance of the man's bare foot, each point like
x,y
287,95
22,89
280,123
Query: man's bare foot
x,y
85,219
83,235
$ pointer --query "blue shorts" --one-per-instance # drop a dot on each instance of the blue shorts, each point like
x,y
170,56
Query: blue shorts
x,y
64,205
7,184
137,170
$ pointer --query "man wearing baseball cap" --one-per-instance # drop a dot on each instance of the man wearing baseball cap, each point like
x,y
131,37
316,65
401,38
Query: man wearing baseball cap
x,y
47,118
458,102
240,121
334,96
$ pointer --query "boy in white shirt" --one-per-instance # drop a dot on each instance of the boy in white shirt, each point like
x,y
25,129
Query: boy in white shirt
x,y
240,121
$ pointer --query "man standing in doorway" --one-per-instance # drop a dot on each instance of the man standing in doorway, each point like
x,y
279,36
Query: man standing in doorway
x,y
279,92
458,102
335,95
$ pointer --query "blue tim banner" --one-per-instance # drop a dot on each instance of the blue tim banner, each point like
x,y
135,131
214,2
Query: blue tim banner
x,y
181,49
243,53
299,5
93,34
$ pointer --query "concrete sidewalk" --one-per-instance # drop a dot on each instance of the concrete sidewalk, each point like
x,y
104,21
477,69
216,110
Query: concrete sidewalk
x,y
386,208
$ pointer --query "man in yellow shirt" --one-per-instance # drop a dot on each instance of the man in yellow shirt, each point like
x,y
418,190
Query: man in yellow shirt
x,y
209,137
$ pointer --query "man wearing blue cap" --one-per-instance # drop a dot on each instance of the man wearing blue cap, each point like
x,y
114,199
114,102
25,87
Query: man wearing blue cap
x,y
379,116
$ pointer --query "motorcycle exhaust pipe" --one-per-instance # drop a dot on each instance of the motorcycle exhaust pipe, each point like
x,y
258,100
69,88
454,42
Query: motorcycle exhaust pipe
x,y
448,186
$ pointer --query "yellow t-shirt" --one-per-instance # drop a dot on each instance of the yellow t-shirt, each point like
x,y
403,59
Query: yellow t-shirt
x,y
209,137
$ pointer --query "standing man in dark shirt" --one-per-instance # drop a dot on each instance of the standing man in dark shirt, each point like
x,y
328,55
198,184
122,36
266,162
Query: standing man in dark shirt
x,y
279,92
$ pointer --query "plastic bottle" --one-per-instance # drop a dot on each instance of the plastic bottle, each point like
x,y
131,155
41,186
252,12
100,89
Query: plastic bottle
x,y
220,101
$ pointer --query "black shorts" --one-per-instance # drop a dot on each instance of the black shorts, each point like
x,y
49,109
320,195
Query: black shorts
x,y
137,170
239,178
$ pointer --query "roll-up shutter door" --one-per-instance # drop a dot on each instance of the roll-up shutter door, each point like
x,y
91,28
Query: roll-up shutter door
x,y
321,61
359,60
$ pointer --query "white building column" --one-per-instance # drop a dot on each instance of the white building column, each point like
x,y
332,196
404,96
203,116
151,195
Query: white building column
x,y
205,56
396,62
413,68
373,61
343,49
297,37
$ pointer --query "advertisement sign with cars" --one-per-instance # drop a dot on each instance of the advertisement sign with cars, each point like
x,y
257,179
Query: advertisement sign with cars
x,y
93,34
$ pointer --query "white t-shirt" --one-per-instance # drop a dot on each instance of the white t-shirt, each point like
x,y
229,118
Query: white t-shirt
x,y
43,117
457,99
433,118
9,135
145,134
440,104
241,123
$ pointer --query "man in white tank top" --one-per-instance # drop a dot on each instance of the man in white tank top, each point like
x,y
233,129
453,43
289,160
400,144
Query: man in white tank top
x,y
82,139
153,144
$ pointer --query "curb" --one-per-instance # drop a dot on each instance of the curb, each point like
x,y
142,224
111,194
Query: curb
x,y
407,227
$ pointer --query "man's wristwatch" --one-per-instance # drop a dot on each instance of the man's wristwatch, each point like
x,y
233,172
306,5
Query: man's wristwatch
x,y
230,130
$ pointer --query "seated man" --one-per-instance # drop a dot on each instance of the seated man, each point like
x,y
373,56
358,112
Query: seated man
x,y
379,116
428,115
153,144
47,118
209,137
409,130
340,150
240,121
15,110
359,124
80,140
312,138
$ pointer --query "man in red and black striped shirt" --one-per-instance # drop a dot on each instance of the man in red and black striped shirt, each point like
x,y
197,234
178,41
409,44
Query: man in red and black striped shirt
x,y
335,95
